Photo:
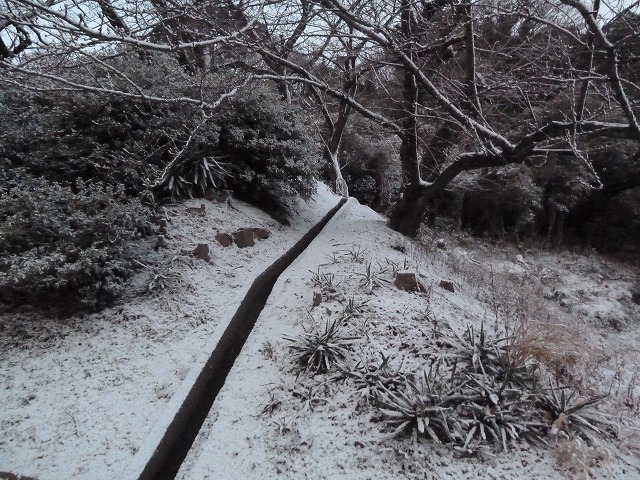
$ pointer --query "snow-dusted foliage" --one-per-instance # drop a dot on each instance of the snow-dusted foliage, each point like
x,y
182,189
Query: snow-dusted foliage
x,y
64,244
270,151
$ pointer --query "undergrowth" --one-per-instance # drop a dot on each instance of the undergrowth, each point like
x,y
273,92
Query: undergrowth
x,y
477,391
320,347
66,246
470,391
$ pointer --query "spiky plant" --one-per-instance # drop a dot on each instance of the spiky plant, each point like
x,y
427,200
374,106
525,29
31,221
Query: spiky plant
x,y
327,282
334,257
478,352
371,377
474,394
356,254
501,412
162,275
501,424
318,349
420,404
352,308
570,412
395,267
195,175
371,278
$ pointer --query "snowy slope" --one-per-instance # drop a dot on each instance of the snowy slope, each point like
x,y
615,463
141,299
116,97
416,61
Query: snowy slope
x,y
268,422
83,397
90,397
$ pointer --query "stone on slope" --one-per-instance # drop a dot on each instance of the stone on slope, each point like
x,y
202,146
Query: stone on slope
x,y
409,281
244,237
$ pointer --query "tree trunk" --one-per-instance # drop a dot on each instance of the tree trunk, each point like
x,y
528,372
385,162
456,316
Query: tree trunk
x,y
407,213
338,183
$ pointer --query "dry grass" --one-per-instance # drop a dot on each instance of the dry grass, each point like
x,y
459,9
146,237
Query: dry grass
x,y
585,461
556,346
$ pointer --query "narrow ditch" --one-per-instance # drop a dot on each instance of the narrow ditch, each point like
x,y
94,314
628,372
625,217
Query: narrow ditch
x,y
181,433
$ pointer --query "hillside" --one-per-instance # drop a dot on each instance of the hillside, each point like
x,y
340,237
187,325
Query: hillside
x,y
90,396
82,396
274,420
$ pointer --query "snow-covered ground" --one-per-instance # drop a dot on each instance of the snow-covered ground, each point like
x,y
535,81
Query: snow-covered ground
x,y
82,397
89,397
269,422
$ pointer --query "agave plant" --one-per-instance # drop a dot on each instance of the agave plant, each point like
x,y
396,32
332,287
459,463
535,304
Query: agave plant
x,y
371,278
477,352
371,379
421,404
356,254
500,412
474,395
569,412
162,275
320,348
197,174
352,308
327,282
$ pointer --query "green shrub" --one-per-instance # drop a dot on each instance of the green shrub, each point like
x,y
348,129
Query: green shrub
x,y
268,151
65,245
255,145
63,137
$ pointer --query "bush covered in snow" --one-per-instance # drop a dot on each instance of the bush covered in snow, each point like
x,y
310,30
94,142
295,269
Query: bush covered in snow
x,y
65,244
269,151
266,151
63,137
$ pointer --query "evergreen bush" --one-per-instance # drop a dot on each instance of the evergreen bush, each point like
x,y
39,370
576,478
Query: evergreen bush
x,y
65,245
270,153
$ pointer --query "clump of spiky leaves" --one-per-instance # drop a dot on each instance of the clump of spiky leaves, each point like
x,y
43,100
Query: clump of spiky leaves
x,y
356,254
420,403
162,275
327,282
194,175
352,308
499,412
334,257
371,278
572,413
478,352
395,267
446,411
319,348
476,393
373,377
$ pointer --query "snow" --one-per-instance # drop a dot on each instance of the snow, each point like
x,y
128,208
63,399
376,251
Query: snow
x,y
270,422
91,397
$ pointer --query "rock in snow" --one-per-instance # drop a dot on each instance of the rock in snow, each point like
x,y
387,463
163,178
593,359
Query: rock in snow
x,y
244,237
202,252
408,280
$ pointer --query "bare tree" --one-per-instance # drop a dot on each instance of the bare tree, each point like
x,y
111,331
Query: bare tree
x,y
441,86
470,84
69,45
